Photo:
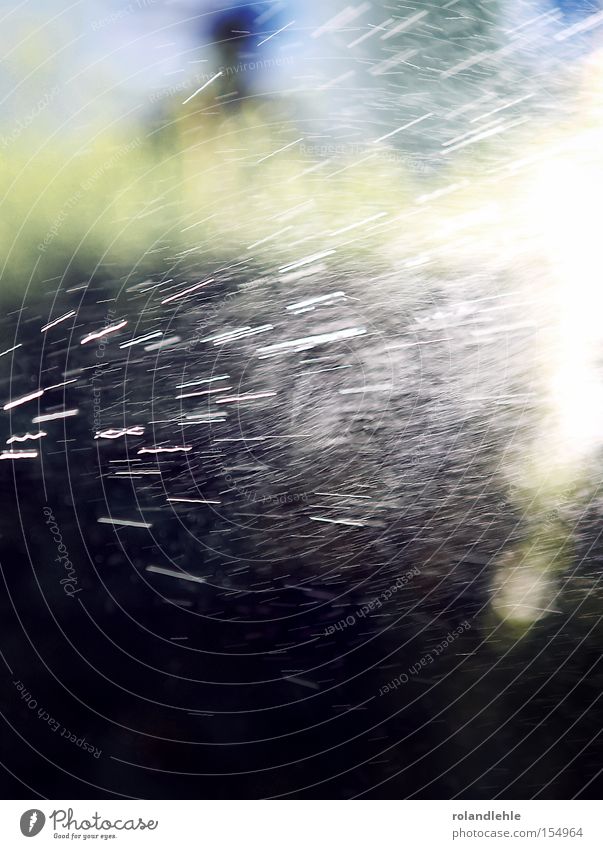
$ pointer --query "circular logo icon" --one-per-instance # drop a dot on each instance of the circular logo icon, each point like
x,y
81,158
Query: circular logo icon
x,y
32,822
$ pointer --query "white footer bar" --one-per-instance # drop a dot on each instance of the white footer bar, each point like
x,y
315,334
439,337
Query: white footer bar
x,y
302,824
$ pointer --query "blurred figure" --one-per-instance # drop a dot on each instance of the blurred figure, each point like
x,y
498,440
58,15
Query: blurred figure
x,y
251,46
231,33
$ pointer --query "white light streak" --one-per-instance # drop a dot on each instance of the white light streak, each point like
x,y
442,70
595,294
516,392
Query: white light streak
x,y
193,501
50,417
250,396
140,339
170,573
202,380
18,455
8,350
407,22
56,321
115,433
27,436
582,26
175,450
305,261
307,342
100,334
348,522
404,127
280,150
275,33
188,291
124,523
23,400
320,299
200,89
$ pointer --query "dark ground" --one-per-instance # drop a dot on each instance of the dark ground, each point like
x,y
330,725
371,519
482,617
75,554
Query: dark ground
x,y
261,695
